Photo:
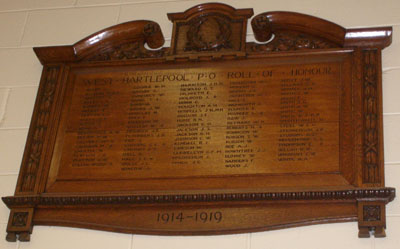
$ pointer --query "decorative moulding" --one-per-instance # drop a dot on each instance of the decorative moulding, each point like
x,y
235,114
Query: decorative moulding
x,y
213,135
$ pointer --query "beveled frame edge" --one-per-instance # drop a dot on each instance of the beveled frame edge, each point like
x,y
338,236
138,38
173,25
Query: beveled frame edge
x,y
367,41
386,194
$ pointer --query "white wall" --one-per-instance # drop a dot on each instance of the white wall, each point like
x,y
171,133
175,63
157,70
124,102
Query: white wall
x,y
28,23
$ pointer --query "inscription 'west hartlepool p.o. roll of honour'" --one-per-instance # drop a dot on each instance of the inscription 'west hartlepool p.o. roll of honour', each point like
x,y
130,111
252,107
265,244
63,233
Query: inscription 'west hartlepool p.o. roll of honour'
x,y
180,122
212,135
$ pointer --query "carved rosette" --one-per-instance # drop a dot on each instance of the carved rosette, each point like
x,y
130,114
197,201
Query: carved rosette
x,y
19,219
209,33
290,41
201,35
20,224
371,169
371,217
371,213
31,163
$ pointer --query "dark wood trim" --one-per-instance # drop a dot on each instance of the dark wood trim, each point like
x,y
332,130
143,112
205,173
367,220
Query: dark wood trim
x,y
355,191
107,39
49,200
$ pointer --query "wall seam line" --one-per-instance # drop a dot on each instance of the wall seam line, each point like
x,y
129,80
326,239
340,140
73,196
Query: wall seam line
x,y
388,69
14,11
168,1
23,29
15,47
131,246
19,86
3,105
9,174
119,14
72,7
97,5
373,244
393,163
14,128
249,240
18,244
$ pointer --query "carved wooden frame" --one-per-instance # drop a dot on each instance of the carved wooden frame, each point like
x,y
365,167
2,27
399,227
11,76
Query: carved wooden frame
x,y
292,34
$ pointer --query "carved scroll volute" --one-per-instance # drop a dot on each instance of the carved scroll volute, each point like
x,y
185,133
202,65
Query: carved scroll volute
x,y
288,31
210,29
261,27
153,35
120,42
284,31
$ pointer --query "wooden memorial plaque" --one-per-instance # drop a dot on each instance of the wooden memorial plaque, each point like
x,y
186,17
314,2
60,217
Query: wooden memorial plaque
x,y
212,135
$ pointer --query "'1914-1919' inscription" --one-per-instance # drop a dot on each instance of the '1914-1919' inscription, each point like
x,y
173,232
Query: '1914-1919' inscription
x,y
199,216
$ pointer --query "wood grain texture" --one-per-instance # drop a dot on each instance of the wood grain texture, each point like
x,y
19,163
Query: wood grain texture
x,y
212,135
234,218
37,135
110,43
372,153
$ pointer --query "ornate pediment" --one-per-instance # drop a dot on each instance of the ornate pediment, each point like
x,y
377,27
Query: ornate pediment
x,y
130,136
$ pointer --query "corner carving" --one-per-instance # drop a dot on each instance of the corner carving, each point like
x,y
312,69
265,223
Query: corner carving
x,y
371,218
372,213
20,224
20,219
304,99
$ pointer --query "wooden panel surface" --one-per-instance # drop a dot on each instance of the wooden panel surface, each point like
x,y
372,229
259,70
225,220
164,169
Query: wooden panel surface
x,y
211,135
139,122
189,219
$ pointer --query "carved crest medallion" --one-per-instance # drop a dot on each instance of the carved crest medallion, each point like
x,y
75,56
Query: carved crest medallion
x,y
130,136
209,33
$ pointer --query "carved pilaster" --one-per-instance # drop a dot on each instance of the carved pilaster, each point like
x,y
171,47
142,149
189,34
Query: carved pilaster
x,y
372,147
94,158
32,158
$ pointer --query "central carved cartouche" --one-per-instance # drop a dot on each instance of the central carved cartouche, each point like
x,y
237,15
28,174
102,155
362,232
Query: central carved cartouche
x,y
130,136
210,33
